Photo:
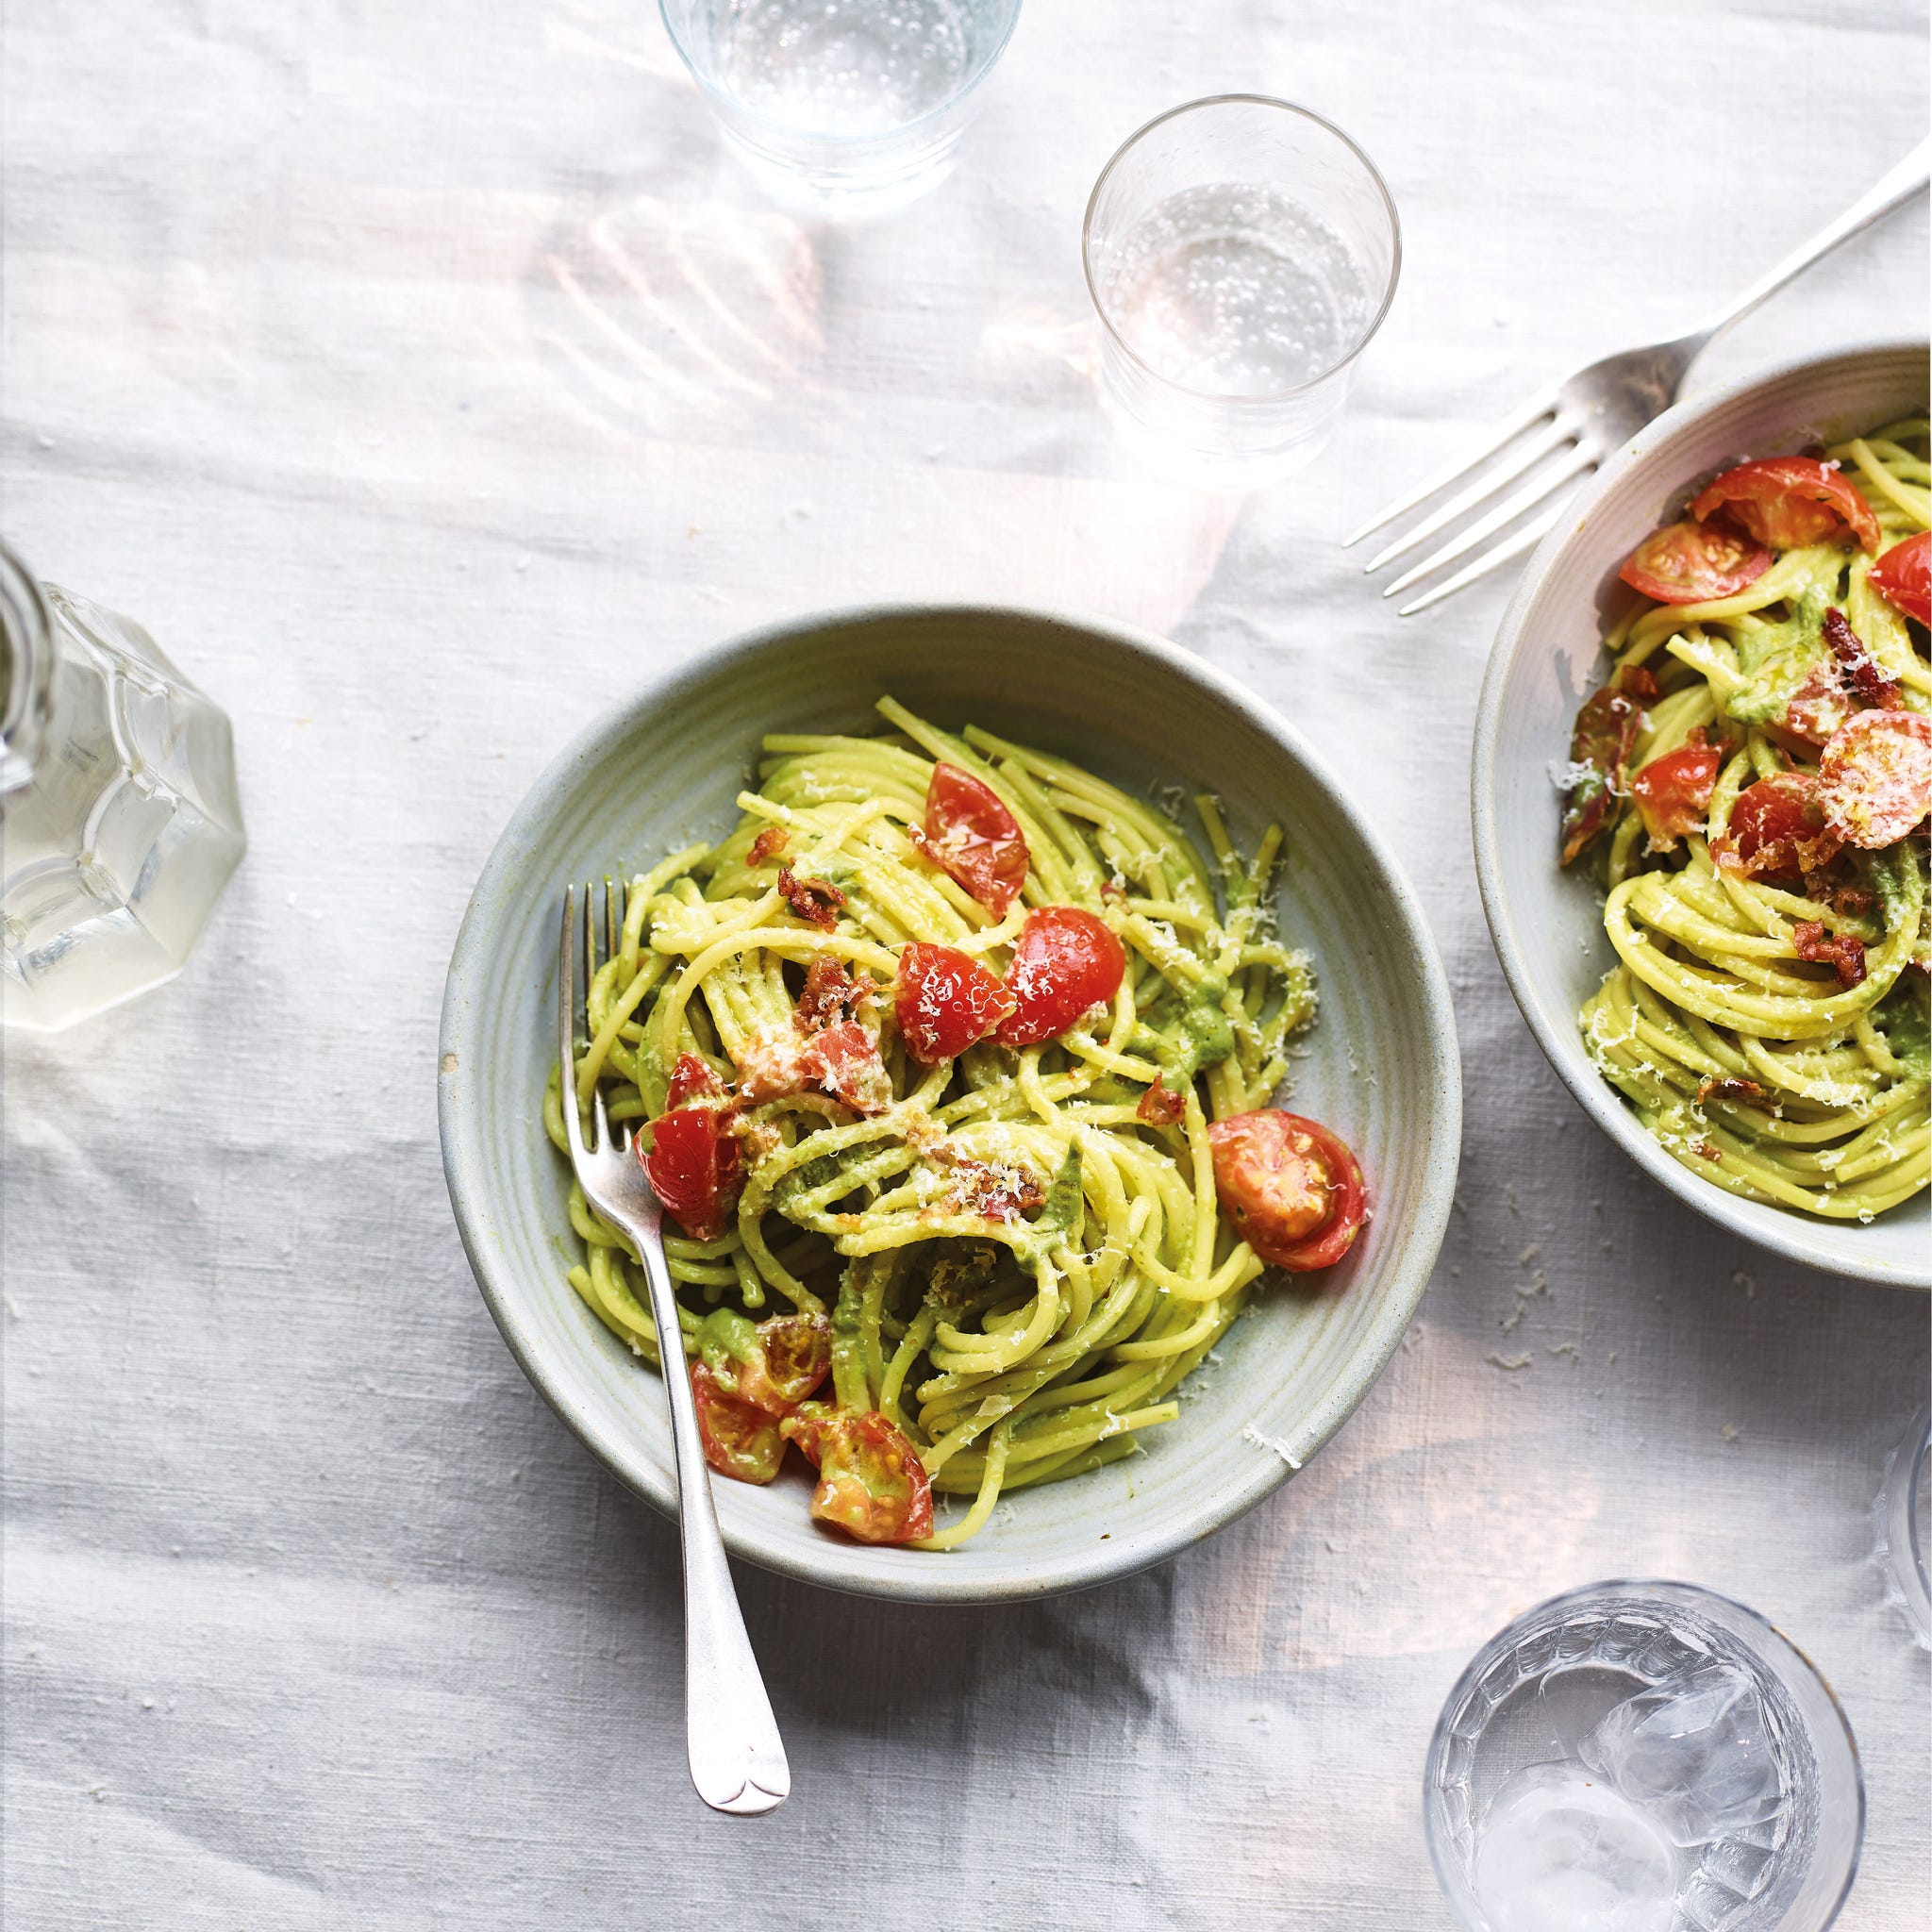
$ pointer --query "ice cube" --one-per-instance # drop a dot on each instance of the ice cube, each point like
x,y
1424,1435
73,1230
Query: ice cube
x,y
1693,1752
1560,1847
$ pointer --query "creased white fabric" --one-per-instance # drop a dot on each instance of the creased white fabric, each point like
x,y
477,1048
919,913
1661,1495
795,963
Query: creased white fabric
x,y
424,377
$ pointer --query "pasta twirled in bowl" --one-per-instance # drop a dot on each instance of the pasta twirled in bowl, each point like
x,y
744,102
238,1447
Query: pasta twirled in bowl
x,y
951,1064
1753,781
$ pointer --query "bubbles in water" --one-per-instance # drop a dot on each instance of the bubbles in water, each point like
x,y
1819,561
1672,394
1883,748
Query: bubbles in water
x,y
1693,1752
844,67
1235,290
1561,1848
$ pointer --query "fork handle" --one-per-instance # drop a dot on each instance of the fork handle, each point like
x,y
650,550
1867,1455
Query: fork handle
x,y
1892,190
731,1739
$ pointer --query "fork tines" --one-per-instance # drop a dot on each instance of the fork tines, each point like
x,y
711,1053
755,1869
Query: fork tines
x,y
1541,440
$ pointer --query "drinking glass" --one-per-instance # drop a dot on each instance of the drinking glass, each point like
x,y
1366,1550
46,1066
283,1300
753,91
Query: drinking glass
x,y
1240,252
1904,1511
845,106
119,818
1645,1757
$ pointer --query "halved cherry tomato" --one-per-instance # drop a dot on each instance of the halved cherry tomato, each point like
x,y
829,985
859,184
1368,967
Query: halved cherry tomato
x,y
693,1167
1694,563
1788,502
871,1483
1066,961
1600,741
1874,779
1815,709
1902,577
792,1355
841,1060
1673,793
1777,830
845,1060
739,1439
693,1078
1294,1192
971,834
945,1000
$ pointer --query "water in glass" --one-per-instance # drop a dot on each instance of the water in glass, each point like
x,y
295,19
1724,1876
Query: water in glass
x,y
119,818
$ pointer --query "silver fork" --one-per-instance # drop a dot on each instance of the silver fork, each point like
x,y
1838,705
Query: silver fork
x,y
1565,432
731,1740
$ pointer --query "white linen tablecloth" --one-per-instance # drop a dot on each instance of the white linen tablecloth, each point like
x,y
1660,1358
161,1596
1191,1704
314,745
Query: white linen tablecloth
x,y
425,378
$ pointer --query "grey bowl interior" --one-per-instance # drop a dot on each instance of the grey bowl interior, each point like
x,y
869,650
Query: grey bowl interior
x,y
1547,925
664,768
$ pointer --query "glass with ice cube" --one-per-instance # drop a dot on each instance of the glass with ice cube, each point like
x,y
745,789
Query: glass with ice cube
x,y
1643,1757
844,107
1240,252
119,817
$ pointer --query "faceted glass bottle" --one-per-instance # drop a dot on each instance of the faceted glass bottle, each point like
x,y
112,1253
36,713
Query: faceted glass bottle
x,y
120,821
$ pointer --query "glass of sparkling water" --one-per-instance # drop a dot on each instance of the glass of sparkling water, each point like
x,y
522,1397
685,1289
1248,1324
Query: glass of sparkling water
x,y
844,107
119,818
1240,252
1642,1757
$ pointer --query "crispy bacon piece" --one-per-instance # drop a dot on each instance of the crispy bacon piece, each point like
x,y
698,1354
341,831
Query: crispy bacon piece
x,y
1745,1093
1843,954
1640,682
1849,901
1001,1193
1859,668
815,901
830,994
766,846
1161,1106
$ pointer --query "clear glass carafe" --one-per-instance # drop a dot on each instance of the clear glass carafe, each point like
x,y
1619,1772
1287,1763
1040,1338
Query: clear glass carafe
x,y
119,817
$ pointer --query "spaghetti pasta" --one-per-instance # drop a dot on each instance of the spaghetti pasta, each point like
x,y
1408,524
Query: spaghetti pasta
x,y
1017,1249
1767,1016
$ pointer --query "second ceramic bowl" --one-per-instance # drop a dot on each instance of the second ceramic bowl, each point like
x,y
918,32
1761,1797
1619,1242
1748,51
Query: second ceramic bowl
x,y
1382,1070
1548,923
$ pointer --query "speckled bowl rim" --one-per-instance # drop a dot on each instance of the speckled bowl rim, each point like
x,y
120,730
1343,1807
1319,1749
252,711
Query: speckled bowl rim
x,y
1408,1269
1818,1245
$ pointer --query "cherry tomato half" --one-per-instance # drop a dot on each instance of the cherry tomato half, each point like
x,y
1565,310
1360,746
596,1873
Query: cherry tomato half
x,y
1875,778
693,1167
946,1000
1902,577
871,1483
971,834
1777,831
693,1078
1066,961
1815,709
1600,741
1694,563
739,1439
1788,502
792,1357
1673,793
1294,1192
